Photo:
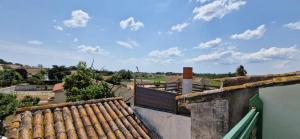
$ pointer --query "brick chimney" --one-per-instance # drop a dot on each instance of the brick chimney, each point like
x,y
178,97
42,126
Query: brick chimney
x,y
187,82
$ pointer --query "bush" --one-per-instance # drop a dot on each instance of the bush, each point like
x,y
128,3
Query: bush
x,y
9,77
8,104
28,101
91,92
82,85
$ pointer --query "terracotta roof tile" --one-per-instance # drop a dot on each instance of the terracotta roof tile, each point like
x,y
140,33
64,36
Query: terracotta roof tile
x,y
104,118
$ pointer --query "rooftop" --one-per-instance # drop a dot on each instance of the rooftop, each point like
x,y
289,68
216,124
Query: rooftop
x,y
101,118
249,82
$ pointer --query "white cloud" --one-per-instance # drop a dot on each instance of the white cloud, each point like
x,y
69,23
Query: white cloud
x,y
164,56
132,24
75,40
293,25
216,9
59,28
35,42
92,50
173,51
209,44
251,34
128,44
79,19
179,27
233,56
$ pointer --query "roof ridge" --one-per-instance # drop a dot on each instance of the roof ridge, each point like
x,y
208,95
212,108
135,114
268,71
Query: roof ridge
x,y
277,81
65,104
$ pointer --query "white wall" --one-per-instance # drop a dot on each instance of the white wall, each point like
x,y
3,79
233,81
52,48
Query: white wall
x,y
167,125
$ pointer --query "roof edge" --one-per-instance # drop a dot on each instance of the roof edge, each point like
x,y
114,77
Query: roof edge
x,y
265,83
66,104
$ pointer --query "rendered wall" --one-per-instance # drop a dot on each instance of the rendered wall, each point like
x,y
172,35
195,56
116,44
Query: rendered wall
x,y
281,112
166,125
214,115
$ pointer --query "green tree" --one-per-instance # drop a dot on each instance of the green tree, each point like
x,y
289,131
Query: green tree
x,y
23,72
241,71
58,72
8,104
114,79
9,77
82,85
37,79
125,74
28,101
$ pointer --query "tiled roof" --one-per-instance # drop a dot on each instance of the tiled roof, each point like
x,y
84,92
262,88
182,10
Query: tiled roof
x,y
103,118
58,87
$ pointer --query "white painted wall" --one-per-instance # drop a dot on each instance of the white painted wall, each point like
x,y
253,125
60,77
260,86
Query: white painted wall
x,y
187,85
167,125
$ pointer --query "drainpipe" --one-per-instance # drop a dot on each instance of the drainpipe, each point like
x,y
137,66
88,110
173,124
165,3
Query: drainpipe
x,y
187,83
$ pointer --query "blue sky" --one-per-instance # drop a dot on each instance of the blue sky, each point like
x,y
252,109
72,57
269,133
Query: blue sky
x,y
155,35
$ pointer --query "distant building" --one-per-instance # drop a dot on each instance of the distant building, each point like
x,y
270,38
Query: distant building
x,y
59,96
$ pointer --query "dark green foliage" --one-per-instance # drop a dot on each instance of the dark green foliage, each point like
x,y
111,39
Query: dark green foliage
x,y
82,85
9,77
241,71
95,91
28,101
125,74
4,62
23,72
37,79
114,79
58,72
8,104
214,75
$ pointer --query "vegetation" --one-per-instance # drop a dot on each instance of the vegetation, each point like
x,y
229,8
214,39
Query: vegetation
x,y
82,85
214,75
4,62
37,79
8,104
58,72
9,77
28,101
116,78
23,72
241,71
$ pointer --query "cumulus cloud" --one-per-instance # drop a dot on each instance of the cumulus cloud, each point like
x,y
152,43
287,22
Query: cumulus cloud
x,y
293,25
233,56
78,19
250,34
179,27
128,44
173,51
131,24
92,50
209,44
35,42
216,9
59,28
164,56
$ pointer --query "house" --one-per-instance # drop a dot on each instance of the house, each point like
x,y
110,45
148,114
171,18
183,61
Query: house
x,y
59,96
212,113
93,119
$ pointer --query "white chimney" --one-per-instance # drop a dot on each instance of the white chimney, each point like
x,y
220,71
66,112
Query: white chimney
x,y
187,82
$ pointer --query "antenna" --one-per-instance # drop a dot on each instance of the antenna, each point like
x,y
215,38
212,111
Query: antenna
x,y
137,68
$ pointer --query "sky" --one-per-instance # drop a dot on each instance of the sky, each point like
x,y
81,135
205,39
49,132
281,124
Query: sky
x,y
212,36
